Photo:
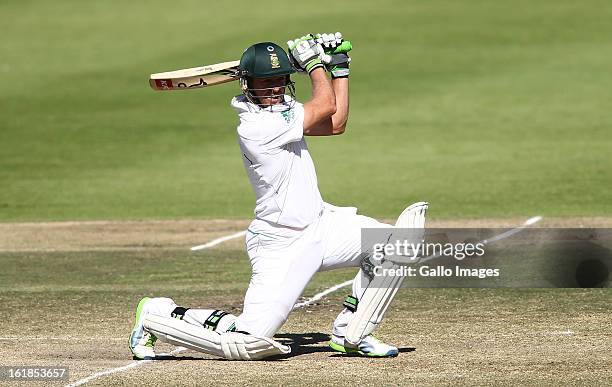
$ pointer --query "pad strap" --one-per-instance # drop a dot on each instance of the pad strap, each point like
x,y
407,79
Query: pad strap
x,y
213,320
350,303
179,312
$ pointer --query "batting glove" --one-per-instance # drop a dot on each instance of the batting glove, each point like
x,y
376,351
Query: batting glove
x,y
305,53
335,54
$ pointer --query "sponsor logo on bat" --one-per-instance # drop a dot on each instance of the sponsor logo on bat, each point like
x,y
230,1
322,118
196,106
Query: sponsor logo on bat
x,y
201,83
164,84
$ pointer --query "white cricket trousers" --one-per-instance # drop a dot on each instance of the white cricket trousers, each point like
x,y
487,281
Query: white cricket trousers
x,y
283,261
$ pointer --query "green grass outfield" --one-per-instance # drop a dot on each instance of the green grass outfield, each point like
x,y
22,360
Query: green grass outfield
x,y
483,108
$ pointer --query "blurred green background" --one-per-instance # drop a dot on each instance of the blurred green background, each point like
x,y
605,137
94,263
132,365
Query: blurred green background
x,y
483,108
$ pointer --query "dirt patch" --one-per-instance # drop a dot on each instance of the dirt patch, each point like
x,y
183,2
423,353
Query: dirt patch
x,y
112,235
573,222
183,234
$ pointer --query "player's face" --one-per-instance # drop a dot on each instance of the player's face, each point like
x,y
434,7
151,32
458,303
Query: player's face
x,y
269,91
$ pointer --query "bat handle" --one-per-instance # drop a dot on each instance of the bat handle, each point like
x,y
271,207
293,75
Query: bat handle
x,y
345,47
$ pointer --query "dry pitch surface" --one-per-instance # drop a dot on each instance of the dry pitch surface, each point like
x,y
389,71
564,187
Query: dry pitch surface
x,y
68,292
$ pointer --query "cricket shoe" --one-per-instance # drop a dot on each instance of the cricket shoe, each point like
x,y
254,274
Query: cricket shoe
x,y
369,346
141,341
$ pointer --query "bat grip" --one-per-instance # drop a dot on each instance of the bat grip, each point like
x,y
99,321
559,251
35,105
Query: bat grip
x,y
345,47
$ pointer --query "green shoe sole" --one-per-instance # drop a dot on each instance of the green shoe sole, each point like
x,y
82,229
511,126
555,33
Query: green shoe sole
x,y
343,349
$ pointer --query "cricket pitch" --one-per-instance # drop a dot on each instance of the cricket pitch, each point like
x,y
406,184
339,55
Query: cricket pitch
x,y
69,290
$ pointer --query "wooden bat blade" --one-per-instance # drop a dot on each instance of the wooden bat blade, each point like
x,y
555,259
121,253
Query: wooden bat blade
x,y
196,77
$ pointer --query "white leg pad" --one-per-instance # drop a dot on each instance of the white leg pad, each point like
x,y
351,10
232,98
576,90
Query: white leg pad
x,y
375,300
228,345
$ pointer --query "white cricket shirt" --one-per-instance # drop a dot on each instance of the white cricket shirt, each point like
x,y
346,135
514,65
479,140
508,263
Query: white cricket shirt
x,y
278,164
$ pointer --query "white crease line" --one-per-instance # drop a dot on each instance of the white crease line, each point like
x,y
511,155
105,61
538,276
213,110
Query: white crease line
x,y
509,233
503,235
324,293
217,241
133,364
107,372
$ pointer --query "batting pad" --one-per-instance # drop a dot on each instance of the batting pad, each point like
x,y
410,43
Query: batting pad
x,y
375,300
229,345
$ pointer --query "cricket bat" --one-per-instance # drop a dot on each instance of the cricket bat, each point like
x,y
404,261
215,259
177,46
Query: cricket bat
x,y
196,77
210,75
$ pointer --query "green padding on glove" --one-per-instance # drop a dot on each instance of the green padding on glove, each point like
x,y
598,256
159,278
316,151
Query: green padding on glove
x,y
304,53
313,64
345,47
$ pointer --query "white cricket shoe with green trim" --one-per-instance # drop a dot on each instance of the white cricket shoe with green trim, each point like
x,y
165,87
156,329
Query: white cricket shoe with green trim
x,y
141,341
369,346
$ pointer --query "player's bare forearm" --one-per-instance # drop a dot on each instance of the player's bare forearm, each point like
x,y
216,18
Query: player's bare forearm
x,y
336,123
340,118
322,91
322,106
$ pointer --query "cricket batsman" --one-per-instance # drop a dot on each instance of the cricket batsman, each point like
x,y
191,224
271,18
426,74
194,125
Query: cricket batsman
x,y
295,233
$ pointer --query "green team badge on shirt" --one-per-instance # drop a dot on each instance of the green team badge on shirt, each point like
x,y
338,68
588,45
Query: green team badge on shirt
x,y
288,115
